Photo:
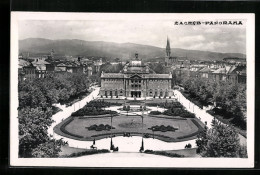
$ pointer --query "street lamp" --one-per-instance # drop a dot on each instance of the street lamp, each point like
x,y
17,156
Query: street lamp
x,y
142,146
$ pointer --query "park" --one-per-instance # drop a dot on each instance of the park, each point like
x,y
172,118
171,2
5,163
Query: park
x,y
153,118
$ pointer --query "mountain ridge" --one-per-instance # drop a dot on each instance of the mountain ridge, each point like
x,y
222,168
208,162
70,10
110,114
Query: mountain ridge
x,y
75,47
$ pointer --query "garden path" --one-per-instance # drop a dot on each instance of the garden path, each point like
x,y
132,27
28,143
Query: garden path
x,y
200,113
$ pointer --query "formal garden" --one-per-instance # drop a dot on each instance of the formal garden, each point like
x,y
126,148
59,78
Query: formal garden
x,y
96,121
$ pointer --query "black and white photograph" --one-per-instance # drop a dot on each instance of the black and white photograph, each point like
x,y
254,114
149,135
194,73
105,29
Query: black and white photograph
x,y
132,90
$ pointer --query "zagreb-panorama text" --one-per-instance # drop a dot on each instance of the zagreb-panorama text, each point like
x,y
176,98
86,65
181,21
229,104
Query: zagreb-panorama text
x,y
208,23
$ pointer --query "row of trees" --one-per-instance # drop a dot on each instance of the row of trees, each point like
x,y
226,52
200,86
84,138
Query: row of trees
x,y
55,88
228,98
35,113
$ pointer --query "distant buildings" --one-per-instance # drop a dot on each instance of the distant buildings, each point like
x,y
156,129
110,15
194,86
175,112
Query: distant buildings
x,y
230,69
214,72
39,67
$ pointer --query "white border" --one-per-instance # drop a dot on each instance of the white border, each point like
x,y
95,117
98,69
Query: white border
x,y
131,161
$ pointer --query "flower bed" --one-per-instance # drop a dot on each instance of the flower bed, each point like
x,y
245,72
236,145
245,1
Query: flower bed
x,y
163,128
100,127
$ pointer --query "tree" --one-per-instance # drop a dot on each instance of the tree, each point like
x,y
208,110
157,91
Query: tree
x,y
219,141
33,125
48,149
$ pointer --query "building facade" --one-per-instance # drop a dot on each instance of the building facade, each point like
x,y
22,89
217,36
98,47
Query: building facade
x,y
136,80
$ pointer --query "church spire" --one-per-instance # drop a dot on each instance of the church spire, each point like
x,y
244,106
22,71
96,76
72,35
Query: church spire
x,y
168,48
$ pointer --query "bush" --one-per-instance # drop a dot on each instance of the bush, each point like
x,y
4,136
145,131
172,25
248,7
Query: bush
x,y
163,153
100,127
87,152
155,113
95,108
163,128
179,112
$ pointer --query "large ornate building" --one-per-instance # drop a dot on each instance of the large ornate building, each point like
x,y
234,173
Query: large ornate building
x,y
136,80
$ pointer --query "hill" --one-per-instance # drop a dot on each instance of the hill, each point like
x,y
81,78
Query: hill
x,y
75,47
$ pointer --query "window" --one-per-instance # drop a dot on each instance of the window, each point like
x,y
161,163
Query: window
x,y
161,93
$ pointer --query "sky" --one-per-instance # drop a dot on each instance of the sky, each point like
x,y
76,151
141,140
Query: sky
x,y
217,38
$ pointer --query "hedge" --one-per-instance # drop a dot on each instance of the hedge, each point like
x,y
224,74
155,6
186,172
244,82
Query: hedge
x,y
163,153
87,152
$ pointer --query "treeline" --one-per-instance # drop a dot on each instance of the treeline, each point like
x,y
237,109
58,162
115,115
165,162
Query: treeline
x,y
55,88
229,98
35,113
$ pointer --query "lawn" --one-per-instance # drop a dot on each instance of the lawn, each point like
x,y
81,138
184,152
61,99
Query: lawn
x,y
129,124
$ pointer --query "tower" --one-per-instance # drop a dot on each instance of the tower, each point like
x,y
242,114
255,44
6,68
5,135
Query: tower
x,y
168,48
168,52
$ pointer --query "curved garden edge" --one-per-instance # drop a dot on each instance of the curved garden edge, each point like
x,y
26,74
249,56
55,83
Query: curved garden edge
x,y
57,130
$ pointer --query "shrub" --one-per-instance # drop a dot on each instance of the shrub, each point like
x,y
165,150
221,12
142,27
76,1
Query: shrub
x,y
100,127
155,113
163,128
163,153
87,152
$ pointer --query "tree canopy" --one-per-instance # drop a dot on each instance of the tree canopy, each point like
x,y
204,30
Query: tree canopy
x,y
229,98
220,141
36,98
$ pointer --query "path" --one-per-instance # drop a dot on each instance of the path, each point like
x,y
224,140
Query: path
x,y
67,111
126,160
200,113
